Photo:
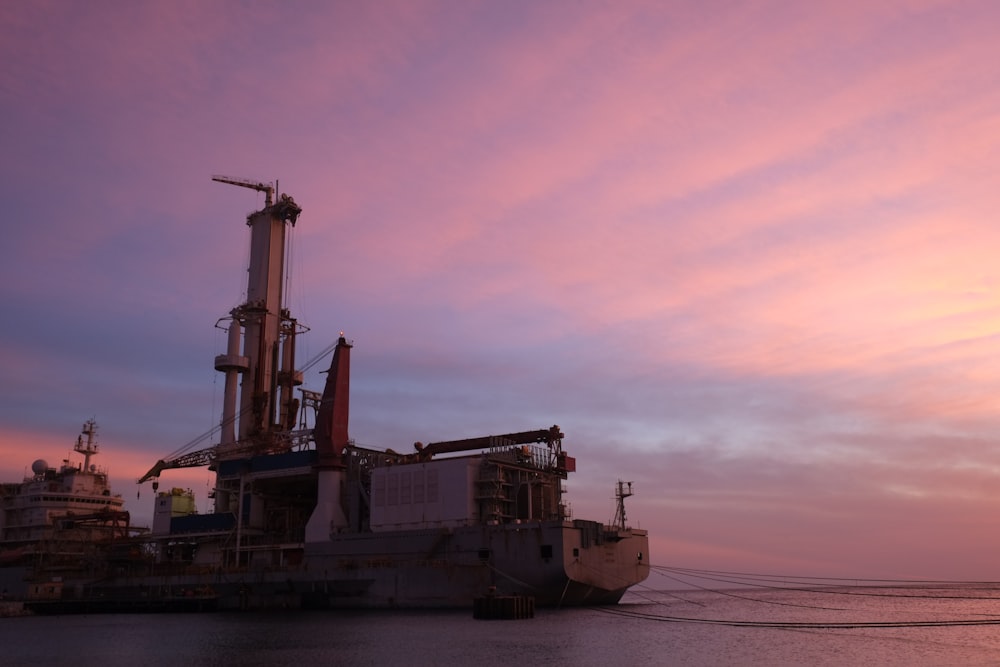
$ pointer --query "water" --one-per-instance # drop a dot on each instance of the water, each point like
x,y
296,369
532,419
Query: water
x,y
698,627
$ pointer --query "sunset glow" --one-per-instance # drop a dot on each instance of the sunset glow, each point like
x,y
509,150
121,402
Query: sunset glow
x,y
743,254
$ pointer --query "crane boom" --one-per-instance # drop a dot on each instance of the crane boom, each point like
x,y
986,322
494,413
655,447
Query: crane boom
x,y
550,436
266,188
280,441
202,457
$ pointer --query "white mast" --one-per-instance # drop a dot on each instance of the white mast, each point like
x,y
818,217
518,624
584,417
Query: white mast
x,y
265,400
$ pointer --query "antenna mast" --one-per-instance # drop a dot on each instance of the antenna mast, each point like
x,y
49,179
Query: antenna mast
x,y
621,493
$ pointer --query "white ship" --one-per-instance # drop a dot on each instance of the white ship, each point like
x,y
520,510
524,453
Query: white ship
x,y
59,517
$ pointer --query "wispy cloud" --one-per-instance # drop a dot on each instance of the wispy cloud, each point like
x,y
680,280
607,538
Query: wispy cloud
x,y
741,254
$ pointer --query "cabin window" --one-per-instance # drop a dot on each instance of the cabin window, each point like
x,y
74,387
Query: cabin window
x,y
546,551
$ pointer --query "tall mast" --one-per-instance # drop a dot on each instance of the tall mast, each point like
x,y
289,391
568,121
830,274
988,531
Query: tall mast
x,y
265,403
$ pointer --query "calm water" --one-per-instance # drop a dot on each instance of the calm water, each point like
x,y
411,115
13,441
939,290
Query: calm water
x,y
684,628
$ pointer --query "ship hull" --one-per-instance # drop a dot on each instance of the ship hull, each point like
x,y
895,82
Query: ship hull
x,y
555,563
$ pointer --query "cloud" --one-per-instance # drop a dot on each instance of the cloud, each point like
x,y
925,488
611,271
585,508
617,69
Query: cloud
x,y
742,255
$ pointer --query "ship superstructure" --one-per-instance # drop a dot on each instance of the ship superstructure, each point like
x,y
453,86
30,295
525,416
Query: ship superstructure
x,y
61,515
304,517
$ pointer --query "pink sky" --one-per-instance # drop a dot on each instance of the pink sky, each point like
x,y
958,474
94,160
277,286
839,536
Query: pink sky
x,y
742,253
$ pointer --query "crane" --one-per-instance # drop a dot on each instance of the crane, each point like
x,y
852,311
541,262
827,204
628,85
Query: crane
x,y
279,441
266,188
550,436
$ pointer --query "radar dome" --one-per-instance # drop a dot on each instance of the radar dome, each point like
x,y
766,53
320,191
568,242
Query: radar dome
x,y
39,466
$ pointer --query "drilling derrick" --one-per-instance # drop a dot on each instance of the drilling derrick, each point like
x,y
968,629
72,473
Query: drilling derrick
x,y
264,404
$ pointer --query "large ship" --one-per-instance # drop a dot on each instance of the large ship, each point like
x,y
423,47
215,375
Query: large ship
x,y
304,517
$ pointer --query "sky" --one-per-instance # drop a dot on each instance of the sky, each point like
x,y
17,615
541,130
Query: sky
x,y
742,253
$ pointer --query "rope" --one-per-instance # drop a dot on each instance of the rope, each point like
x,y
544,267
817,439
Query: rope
x,y
798,625
808,584
976,590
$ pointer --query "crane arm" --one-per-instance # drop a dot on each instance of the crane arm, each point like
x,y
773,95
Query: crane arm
x,y
266,188
202,457
280,442
550,436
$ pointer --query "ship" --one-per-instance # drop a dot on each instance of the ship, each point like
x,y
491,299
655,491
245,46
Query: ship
x,y
304,517
59,517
